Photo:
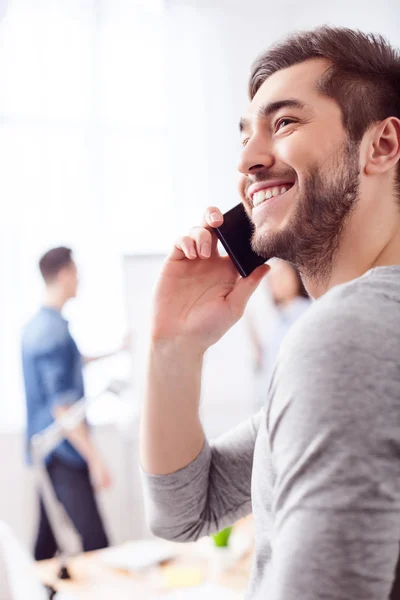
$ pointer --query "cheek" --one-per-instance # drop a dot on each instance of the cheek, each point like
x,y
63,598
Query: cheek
x,y
312,145
296,151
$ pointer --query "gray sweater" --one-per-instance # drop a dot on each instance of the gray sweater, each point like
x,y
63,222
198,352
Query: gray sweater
x,y
319,466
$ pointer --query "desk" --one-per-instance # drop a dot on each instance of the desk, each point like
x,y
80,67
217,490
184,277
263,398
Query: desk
x,y
92,580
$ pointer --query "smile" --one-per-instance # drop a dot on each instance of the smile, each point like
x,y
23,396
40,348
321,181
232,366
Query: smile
x,y
271,192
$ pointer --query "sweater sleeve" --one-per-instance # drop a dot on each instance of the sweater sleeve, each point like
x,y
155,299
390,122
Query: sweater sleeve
x,y
210,493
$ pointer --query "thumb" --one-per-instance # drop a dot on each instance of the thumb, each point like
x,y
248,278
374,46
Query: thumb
x,y
244,289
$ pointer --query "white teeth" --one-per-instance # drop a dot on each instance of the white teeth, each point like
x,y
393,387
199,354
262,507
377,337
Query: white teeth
x,y
259,197
275,191
262,195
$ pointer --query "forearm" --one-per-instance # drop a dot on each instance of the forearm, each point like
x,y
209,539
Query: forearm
x,y
171,432
79,436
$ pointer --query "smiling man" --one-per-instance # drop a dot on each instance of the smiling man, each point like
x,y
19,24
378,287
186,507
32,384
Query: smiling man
x,y
319,466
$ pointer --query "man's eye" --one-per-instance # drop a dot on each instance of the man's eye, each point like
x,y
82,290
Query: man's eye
x,y
282,123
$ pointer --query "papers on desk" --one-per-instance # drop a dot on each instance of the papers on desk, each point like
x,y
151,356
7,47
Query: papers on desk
x,y
210,591
181,576
134,556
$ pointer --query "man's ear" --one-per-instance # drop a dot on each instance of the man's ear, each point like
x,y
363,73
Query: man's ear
x,y
384,150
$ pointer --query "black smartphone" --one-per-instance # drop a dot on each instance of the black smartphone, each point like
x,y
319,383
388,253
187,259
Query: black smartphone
x,y
235,235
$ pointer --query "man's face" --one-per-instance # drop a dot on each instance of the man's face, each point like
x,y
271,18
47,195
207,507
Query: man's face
x,y
299,171
68,278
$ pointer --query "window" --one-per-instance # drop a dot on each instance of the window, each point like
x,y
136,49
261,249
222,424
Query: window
x,y
84,155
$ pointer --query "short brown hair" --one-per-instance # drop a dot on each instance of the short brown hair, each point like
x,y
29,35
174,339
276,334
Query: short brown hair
x,y
53,261
364,77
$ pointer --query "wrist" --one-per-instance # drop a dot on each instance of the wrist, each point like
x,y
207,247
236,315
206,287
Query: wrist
x,y
183,349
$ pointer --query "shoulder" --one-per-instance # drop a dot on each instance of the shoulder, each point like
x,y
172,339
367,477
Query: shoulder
x,y
357,315
44,332
336,383
343,353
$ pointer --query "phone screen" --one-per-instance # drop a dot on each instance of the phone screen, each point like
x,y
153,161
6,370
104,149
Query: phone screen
x,y
235,235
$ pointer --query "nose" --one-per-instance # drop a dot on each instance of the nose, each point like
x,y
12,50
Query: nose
x,y
256,156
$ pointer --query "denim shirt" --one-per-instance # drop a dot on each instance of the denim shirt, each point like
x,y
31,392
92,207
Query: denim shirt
x,y
52,369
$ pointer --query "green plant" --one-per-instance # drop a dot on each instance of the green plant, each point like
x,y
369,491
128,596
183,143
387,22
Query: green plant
x,y
221,538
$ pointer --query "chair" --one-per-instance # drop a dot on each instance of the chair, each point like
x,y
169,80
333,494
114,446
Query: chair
x,y
21,583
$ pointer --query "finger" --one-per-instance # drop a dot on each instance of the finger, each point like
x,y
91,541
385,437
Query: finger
x,y
184,248
212,218
245,287
203,241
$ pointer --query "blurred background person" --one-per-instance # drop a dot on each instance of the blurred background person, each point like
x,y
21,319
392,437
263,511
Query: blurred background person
x,y
289,301
52,369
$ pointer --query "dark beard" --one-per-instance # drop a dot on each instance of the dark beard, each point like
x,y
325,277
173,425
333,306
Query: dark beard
x,y
312,238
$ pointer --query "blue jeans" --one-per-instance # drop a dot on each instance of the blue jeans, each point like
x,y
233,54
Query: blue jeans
x,y
75,492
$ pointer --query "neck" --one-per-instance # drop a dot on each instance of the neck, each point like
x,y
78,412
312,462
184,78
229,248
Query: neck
x,y
55,298
366,243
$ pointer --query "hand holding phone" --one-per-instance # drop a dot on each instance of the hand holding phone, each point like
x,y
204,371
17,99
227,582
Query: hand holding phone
x,y
235,235
199,294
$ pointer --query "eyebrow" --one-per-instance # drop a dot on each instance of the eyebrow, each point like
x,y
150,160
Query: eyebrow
x,y
269,109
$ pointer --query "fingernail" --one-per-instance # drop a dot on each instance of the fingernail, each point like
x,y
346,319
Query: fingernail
x,y
214,217
192,253
205,250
